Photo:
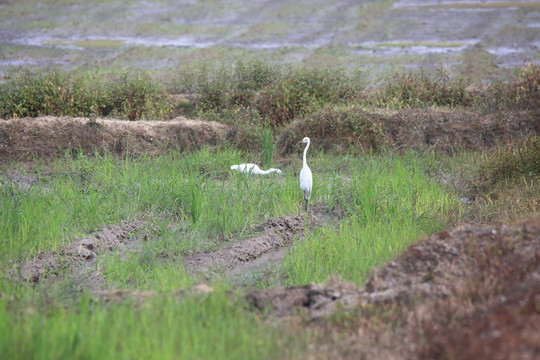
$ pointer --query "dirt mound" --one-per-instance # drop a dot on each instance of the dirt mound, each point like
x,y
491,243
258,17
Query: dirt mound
x,y
445,130
25,139
81,251
472,292
433,267
275,234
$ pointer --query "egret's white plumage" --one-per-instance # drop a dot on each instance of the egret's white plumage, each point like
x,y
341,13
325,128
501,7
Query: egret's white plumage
x,y
254,169
306,179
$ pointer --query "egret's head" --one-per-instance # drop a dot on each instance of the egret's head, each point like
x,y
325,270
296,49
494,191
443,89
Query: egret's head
x,y
305,140
234,167
279,172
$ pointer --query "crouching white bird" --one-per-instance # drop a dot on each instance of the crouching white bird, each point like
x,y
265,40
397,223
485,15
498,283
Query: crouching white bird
x,y
254,169
306,179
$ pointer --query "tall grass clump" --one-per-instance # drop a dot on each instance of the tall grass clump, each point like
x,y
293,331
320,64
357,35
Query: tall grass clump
x,y
135,97
338,128
390,203
226,86
299,91
422,90
277,93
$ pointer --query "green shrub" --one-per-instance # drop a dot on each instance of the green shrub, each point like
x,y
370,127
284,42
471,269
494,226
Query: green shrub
x,y
35,93
229,86
420,90
134,97
248,78
299,89
277,93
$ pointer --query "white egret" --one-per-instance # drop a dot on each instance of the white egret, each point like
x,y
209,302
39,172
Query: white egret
x,y
254,169
306,179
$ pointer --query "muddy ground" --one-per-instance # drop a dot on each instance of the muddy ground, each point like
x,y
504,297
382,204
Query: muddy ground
x,y
470,292
484,39
243,261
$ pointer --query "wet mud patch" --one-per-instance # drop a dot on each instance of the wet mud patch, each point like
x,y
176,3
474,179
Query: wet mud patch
x,y
24,182
243,261
79,257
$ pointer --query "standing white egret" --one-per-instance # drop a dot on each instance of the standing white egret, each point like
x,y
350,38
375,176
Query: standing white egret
x,y
306,179
254,169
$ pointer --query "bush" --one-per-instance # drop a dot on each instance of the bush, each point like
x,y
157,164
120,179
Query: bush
x,y
134,97
29,93
34,93
298,90
227,87
420,90
277,93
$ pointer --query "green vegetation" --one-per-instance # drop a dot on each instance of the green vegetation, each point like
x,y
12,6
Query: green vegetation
x,y
390,203
191,202
522,93
505,184
276,94
267,145
132,97
374,194
87,192
215,326
421,90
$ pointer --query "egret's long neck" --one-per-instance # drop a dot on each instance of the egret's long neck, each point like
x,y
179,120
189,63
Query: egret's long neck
x,y
266,172
305,151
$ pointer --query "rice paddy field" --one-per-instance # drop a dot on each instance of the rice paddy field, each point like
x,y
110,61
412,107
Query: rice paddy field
x,y
125,234
188,203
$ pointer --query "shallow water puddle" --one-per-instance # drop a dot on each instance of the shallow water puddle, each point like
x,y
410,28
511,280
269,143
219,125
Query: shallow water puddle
x,y
95,42
413,47
466,4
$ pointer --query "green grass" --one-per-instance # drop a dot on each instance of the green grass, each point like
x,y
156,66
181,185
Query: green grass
x,y
390,202
84,193
217,326
193,202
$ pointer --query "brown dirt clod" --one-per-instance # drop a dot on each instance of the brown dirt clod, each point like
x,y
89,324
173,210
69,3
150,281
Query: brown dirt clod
x,y
50,264
274,234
